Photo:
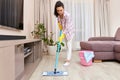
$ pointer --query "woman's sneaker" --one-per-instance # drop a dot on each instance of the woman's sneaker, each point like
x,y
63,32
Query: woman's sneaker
x,y
66,64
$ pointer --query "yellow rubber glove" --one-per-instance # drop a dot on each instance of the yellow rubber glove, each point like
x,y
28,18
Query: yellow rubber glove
x,y
61,37
60,26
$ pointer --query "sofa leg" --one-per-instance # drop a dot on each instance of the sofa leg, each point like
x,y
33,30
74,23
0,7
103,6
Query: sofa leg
x,y
97,61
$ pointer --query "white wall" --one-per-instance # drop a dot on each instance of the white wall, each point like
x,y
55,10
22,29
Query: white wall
x,y
114,16
28,21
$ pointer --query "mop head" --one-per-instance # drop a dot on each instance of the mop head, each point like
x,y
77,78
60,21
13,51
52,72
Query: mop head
x,y
58,73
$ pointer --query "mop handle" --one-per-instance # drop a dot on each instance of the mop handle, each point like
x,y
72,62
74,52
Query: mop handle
x,y
58,51
61,36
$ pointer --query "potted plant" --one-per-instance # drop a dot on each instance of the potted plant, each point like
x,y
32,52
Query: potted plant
x,y
39,31
51,44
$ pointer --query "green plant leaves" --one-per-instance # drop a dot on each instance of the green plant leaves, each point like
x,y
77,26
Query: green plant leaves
x,y
62,43
40,31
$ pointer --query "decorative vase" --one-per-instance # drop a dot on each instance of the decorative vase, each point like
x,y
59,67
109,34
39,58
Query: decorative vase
x,y
51,50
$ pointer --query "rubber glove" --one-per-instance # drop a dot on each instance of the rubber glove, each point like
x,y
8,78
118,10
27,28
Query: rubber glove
x,y
60,26
61,37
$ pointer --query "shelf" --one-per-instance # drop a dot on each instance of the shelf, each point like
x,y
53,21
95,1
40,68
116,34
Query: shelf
x,y
27,54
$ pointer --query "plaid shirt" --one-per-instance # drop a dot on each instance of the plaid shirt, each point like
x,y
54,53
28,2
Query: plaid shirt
x,y
67,25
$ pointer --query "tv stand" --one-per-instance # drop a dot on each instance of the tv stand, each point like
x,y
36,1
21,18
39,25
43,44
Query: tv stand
x,y
14,63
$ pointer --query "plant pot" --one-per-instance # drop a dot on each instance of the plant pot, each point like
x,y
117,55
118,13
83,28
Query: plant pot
x,y
51,50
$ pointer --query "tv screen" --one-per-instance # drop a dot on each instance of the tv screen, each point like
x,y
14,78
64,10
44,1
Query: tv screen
x,y
11,13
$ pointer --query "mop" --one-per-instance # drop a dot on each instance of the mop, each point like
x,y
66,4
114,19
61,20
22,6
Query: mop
x,y
55,72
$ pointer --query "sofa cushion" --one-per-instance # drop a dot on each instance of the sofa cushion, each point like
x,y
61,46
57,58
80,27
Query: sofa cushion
x,y
117,35
104,46
117,56
117,48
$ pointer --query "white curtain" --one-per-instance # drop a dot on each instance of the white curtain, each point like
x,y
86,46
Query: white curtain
x,y
87,19
102,17
82,12
43,13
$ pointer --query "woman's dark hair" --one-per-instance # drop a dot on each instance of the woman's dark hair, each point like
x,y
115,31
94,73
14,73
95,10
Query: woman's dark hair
x,y
58,4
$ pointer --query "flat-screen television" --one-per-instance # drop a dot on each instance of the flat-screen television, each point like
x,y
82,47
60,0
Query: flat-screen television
x,y
11,13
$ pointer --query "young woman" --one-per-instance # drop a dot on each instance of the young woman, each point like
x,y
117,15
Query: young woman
x,y
65,20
